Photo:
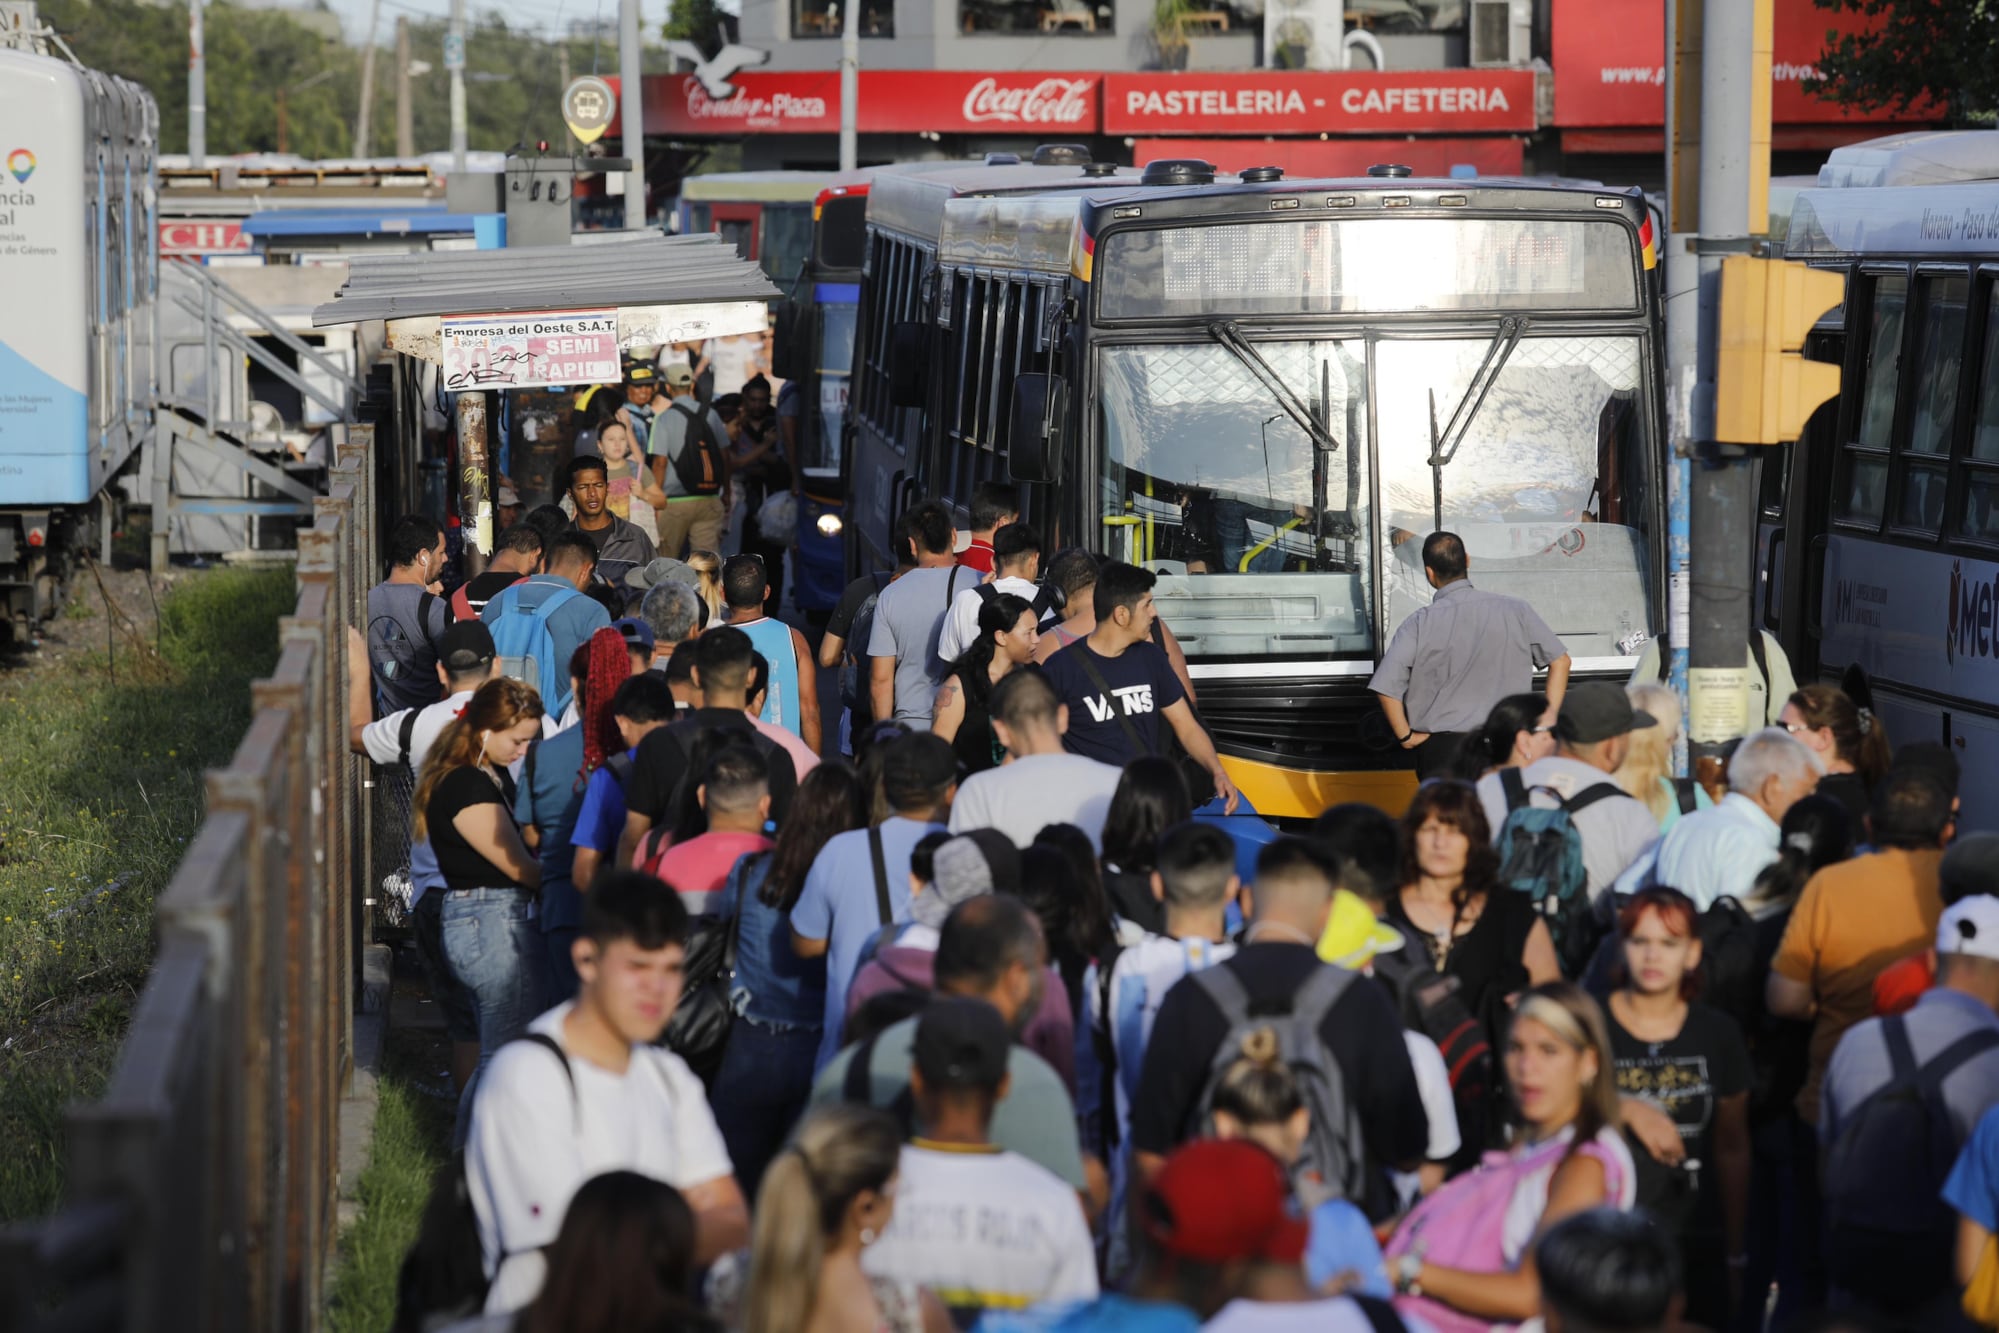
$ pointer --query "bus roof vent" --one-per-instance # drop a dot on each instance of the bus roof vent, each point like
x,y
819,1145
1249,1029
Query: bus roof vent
x,y
1392,170
1259,175
1062,155
1179,171
1099,170
1923,157
1002,159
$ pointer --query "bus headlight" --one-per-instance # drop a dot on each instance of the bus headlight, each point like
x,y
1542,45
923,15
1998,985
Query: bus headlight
x,y
829,525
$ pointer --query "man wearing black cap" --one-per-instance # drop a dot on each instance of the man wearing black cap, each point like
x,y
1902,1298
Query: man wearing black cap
x,y
1593,734
984,1228
466,660
859,882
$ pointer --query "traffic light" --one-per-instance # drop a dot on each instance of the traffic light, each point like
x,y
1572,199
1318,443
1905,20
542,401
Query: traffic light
x,y
1764,389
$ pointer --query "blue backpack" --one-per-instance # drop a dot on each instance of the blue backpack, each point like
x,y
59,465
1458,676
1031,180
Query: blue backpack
x,y
518,618
1541,855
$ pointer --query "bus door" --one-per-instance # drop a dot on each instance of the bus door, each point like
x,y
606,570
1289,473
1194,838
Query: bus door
x,y
737,224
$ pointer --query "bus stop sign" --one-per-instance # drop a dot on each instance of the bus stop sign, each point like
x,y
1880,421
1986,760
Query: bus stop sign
x,y
588,104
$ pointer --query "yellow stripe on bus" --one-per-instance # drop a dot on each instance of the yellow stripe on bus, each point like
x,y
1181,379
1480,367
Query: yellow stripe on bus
x,y
1292,793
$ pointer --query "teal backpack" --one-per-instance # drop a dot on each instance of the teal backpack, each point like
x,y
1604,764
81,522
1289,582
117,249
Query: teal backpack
x,y
1541,855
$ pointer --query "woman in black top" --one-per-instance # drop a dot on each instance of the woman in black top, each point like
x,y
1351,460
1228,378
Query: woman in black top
x,y
1006,640
1150,798
1688,1062
464,804
1846,735
1452,908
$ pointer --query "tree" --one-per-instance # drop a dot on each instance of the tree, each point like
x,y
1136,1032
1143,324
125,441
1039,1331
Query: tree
x,y
702,22
1914,56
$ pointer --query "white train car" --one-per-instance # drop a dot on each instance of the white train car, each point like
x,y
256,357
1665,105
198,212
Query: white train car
x,y
79,269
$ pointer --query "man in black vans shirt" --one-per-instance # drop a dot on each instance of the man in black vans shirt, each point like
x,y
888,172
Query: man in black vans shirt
x,y
1120,688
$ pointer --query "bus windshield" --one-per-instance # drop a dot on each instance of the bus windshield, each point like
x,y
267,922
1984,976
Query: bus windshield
x,y
1266,541
835,351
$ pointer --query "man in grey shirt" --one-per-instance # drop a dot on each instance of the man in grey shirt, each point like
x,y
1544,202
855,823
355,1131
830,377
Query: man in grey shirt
x,y
903,667
1450,662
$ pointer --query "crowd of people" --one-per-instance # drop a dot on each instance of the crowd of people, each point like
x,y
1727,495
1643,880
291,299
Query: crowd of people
x,y
973,1005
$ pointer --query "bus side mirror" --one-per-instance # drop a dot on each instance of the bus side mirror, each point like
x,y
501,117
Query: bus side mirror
x,y
788,343
909,365
1034,436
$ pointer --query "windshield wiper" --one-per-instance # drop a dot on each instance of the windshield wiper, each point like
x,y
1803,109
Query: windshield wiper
x,y
1228,335
1444,444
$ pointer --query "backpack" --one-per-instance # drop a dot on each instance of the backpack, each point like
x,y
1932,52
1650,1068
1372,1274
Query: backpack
x,y
402,679
1891,1238
523,642
698,466
1433,1005
1541,855
443,1276
1334,1161
853,690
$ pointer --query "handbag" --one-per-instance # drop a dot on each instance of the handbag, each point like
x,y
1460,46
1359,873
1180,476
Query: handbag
x,y
698,1032
1981,1294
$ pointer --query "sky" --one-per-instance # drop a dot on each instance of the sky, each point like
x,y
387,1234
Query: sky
x,y
549,16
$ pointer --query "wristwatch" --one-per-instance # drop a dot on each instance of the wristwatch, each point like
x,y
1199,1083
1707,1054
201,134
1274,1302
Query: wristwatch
x,y
1405,736
1408,1272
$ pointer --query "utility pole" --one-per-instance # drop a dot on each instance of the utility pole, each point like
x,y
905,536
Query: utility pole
x,y
631,113
454,62
1719,177
363,122
197,88
405,127
850,84
562,82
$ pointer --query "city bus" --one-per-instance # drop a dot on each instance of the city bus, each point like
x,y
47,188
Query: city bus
x,y
766,214
1269,391
1883,522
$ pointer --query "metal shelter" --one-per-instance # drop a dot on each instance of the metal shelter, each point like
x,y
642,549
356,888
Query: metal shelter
x,y
534,317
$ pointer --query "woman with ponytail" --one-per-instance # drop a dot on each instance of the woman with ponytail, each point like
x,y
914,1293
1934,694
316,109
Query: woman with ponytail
x,y
464,804
1512,737
1841,727
553,780
824,1200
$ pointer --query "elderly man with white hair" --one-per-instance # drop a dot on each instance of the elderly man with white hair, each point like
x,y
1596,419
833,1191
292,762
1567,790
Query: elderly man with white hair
x,y
1718,853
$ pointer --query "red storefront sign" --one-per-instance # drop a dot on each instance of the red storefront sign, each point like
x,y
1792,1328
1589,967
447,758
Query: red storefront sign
x,y
1497,155
1609,58
891,102
203,236
1436,101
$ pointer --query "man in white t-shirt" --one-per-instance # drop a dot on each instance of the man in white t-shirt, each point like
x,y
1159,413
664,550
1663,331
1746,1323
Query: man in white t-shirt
x,y
1044,784
1016,566
587,1092
983,1228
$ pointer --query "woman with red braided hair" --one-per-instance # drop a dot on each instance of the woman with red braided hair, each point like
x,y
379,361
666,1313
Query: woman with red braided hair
x,y
553,778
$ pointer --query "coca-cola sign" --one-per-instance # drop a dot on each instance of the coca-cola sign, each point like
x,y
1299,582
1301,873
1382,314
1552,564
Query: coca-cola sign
x,y
1064,102
892,101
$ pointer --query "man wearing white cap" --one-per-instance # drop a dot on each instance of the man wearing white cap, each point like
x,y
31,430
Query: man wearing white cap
x,y
1895,1087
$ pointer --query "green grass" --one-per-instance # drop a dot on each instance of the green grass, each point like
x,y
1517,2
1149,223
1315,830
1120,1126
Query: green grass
x,y
101,765
412,1134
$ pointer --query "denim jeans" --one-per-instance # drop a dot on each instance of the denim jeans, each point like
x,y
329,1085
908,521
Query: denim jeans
x,y
761,1088
497,951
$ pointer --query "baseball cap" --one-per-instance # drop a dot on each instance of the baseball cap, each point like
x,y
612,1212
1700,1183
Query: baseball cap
x,y
679,375
662,569
961,1043
1596,710
1970,926
635,632
509,496
466,646
640,372
1354,935
1218,1200
970,865
916,766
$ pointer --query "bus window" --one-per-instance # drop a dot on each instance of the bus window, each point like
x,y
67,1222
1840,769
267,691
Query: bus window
x,y
787,240
1540,487
1866,490
1981,498
1939,358
1260,538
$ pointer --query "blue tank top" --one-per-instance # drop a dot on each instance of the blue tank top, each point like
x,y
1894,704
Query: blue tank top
x,y
772,638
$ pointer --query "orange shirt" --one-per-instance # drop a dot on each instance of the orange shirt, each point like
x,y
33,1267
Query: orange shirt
x,y
1852,921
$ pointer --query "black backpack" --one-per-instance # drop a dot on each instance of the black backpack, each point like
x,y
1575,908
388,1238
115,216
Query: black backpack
x,y
1433,1005
698,465
402,678
1891,1238
443,1277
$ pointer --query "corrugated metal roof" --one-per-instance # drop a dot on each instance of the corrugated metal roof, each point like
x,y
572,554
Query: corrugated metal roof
x,y
647,269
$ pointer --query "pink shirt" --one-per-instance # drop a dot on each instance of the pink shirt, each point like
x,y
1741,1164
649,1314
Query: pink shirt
x,y
700,866
803,761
